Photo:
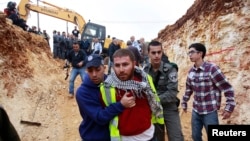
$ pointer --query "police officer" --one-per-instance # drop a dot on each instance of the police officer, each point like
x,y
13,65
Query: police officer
x,y
165,79
60,47
55,44
63,45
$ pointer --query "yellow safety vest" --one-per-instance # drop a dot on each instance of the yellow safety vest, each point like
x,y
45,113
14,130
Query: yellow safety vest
x,y
109,96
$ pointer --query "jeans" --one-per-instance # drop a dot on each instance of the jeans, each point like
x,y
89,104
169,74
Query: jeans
x,y
73,75
198,121
110,65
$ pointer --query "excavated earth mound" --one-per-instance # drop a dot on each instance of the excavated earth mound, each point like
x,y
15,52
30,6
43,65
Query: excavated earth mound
x,y
34,91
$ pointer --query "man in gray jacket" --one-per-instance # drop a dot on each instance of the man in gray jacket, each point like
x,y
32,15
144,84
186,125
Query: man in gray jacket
x,y
165,79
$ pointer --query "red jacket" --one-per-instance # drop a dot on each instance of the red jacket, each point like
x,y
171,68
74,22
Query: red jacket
x,y
135,120
7,12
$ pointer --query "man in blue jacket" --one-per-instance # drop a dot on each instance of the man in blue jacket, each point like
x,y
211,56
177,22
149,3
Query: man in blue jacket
x,y
96,117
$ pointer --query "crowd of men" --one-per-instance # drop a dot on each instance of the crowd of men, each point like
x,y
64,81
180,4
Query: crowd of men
x,y
12,13
68,47
137,99
164,78
109,103
137,86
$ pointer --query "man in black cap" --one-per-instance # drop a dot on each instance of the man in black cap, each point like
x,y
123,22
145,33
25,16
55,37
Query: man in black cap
x,y
77,59
95,126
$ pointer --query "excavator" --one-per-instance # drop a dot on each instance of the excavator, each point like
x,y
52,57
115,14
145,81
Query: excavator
x,y
88,30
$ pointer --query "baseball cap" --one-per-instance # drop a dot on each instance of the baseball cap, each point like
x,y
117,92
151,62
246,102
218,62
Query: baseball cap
x,y
94,60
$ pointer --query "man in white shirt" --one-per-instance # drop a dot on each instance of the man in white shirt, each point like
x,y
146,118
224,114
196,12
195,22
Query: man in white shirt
x,y
97,47
135,43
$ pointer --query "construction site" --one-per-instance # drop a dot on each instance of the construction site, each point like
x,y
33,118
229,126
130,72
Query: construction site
x,y
34,91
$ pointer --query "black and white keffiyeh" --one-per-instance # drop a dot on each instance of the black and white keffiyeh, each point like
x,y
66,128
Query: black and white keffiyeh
x,y
138,89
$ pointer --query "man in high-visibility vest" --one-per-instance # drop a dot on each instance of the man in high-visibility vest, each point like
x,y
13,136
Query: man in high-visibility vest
x,y
96,118
137,122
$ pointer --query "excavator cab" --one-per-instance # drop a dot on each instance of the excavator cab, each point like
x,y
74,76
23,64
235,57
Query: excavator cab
x,y
88,30
93,30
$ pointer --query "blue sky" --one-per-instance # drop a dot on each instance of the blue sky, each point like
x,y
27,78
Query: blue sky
x,y
122,18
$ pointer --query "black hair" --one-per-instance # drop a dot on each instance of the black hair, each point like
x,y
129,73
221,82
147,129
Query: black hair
x,y
154,43
199,47
136,53
9,4
129,43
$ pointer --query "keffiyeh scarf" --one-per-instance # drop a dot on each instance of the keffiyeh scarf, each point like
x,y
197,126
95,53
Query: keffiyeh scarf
x,y
137,87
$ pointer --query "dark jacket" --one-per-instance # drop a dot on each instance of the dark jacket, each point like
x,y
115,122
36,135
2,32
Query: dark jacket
x,y
7,130
85,44
165,58
112,49
166,84
136,53
96,118
75,32
75,59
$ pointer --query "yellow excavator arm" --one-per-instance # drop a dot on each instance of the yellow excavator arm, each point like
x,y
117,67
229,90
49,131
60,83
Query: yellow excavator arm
x,y
88,30
25,6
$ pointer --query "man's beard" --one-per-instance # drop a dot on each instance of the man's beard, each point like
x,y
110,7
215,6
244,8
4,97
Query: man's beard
x,y
130,75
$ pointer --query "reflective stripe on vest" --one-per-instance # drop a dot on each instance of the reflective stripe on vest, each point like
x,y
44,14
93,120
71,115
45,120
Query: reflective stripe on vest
x,y
160,118
109,97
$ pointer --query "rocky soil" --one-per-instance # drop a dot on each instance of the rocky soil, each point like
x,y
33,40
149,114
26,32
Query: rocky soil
x,y
223,26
